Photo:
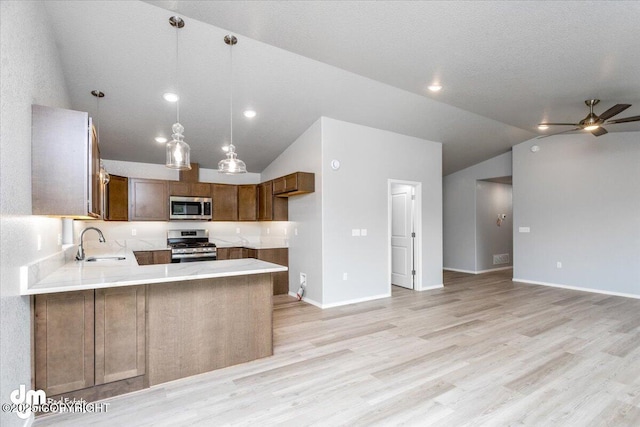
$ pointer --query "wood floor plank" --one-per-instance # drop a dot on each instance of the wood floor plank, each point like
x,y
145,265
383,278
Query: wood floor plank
x,y
482,351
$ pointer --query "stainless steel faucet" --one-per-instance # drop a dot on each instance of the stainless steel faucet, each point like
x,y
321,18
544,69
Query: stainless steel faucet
x,y
80,254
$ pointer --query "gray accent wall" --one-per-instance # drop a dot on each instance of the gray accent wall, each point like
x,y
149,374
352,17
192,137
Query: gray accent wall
x,y
305,211
356,197
459,207
493,199
580,197
31,74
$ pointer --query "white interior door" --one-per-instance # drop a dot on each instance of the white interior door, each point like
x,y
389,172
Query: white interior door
x,y
402,270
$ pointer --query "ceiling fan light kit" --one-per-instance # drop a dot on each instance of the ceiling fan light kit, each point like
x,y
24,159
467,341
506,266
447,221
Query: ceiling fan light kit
x,y
593,123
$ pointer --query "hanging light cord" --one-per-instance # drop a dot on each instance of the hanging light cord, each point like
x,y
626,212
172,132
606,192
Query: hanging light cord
x,y
177,91
231,81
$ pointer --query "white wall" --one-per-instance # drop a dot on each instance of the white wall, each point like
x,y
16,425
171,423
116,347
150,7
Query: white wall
x,y
153,171
305,211
356,196
493,199
459,205
580,196
31,74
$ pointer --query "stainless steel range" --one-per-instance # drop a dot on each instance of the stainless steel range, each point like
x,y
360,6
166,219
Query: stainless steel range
x,y
191,245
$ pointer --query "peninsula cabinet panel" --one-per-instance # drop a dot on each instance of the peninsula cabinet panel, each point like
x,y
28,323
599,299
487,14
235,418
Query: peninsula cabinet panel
x,y
119,333
225,202
64,341
148,200
214,323
116,203
247,202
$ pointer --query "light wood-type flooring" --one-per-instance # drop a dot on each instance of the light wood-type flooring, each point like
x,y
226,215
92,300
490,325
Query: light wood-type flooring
x,y
483,351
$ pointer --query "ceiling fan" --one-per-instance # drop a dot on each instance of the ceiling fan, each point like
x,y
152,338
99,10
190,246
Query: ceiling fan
x,y
592,122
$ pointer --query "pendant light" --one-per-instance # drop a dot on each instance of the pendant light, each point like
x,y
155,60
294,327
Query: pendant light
x,y
104,175
232,164
178,151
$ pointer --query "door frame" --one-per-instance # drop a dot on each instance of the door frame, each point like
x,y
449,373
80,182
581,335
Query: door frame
x,y
417,212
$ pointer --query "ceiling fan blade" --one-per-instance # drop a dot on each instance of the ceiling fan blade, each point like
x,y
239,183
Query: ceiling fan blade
x,y
599,131
615,110
557,124
558,133
625,120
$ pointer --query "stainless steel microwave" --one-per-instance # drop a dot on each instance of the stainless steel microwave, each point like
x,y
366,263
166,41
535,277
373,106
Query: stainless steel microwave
x,y
193,208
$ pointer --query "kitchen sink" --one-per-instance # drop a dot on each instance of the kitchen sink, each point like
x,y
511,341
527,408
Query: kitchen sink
x,y
105,258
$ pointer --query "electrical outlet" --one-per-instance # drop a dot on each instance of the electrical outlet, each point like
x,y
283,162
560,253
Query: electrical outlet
x,y
237,230
134,231
355,232
344,276
268,230
303,278
558,264
363,232
39,242
295,231
59,239
285,231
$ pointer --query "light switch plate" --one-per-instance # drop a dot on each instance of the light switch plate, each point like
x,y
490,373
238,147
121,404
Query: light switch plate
x,y
524,229
363,232
355,232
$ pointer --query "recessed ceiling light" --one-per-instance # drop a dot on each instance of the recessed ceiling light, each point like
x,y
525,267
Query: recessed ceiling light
x,y
171,97
249,114
161,139
543,127
435,88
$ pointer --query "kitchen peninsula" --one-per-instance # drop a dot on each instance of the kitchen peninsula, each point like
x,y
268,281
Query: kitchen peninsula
x,y
110,327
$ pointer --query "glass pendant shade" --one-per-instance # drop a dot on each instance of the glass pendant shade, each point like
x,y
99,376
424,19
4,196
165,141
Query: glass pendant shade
x,y
178,151
232,164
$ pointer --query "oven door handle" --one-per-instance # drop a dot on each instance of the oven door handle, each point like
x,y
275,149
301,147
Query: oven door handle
x,y
200,255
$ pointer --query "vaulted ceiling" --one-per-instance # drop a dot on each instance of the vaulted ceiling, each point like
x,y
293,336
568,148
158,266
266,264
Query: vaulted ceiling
x,y
504,67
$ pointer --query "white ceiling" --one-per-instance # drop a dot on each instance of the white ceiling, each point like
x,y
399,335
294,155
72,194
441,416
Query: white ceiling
x,y
505,66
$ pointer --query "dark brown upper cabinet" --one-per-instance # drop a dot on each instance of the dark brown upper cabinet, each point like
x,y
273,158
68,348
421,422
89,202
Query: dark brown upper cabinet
x,y
294,184
116,199
247,202
225,202
148,200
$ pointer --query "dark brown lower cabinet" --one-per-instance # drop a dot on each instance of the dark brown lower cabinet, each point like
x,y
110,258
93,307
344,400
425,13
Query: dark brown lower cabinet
x,y
64,341
119,333
232,253
277,256
86,339
153,257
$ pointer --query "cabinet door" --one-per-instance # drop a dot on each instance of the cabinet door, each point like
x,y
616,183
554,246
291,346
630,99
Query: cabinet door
x,y
247,202
95,184
222,254
280,209
200,189
265,201
162,257
148,200
64,341
117,199
225,202
277,256
179,188
144,257
60,154
235,253
119,333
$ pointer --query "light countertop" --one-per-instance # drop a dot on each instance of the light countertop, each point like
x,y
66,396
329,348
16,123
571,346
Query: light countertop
x,y
82,275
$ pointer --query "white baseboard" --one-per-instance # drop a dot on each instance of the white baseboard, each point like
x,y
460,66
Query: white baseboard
x,y
577,288
341,303
457,270
355,301
429,288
